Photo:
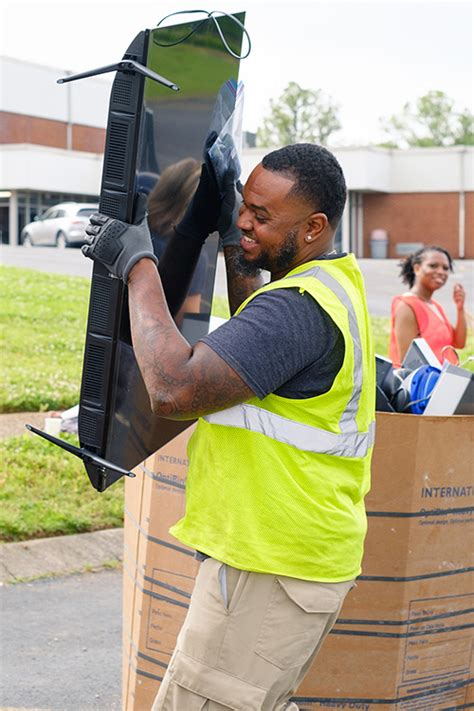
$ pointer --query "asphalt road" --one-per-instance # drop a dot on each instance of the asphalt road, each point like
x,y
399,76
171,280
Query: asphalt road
x,y
47,259
61,643
381,275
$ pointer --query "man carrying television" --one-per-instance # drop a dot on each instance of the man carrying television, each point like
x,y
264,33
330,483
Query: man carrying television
x,y
279,463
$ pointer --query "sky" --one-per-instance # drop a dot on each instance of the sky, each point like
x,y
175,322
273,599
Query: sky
x,y
371,57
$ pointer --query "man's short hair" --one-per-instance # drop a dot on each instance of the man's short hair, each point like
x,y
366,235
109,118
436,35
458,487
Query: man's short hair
x,y
318,177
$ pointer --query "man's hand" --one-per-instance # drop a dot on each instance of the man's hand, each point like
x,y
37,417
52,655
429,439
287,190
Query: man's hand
x,y
210,211
118,245
232,200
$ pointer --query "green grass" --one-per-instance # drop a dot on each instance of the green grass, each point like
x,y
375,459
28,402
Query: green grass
x,y
381,334
46,492
43,325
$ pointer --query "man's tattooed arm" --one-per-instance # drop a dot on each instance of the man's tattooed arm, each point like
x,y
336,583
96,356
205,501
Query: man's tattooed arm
x,y
183,382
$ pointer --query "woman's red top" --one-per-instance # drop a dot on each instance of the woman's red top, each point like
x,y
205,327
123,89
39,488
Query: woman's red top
x,y
433,327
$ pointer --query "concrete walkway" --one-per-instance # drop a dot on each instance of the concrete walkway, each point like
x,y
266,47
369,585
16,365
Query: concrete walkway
x,y
12,424
62,555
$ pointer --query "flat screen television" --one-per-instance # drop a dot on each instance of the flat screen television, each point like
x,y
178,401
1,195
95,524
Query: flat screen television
x,y
151,129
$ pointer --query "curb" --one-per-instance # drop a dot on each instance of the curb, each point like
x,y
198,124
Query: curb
x,y
62,555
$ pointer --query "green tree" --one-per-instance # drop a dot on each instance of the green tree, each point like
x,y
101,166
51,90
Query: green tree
x,y
430,121
465,132
299,115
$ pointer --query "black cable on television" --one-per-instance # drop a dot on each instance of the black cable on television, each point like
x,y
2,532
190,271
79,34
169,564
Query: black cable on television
x,y
209,15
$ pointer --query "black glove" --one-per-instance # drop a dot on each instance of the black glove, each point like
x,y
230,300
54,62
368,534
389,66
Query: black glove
x,y
202,214
228,230
118,245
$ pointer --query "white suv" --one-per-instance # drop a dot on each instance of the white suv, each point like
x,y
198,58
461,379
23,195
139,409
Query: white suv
x,y
61,225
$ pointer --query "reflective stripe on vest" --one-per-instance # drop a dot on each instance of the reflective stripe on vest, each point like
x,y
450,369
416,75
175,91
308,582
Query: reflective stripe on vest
x,y
351,442
296,434
347,422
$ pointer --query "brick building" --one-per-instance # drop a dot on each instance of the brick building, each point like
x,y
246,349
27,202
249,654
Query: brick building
x,y
52,139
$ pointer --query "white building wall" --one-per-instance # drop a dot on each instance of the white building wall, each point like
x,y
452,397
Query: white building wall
x,y
89,101
29,167
366,169
32,89
418,170
467,167
250,158
432,170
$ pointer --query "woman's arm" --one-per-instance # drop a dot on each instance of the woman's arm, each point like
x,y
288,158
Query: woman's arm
x,y
405,328
460,329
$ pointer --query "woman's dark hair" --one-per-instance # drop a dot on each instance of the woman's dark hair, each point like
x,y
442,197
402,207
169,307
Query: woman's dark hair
x,y
407,270
169,199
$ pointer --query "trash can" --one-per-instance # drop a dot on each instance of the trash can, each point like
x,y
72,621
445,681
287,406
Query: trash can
x,y
379,244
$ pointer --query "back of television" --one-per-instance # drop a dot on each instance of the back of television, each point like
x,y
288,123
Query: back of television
x,y
155,123
151,127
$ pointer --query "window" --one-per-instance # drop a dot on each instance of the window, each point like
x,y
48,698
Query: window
x,y
87,211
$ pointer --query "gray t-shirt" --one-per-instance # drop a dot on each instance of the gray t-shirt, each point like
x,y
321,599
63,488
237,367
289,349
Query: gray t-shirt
x,y
283,342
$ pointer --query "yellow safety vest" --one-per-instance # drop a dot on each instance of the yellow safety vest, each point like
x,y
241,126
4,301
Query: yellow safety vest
x,y
277,485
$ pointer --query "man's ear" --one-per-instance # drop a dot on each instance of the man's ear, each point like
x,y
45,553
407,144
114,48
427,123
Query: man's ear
x,y
317,223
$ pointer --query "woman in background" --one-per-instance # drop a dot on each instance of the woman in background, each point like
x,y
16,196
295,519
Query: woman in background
x,y
415,314
167,204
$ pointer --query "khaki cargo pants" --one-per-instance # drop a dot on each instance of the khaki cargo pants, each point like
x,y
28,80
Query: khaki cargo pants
x,y
247,641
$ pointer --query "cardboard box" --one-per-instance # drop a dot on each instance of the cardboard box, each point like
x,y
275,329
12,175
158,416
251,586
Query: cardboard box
x,y
158,572
404,637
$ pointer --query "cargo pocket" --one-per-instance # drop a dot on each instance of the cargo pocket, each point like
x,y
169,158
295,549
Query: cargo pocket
x,y
192,684
298,616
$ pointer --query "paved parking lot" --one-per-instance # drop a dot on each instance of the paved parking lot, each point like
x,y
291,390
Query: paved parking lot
x,y
381,275
61,643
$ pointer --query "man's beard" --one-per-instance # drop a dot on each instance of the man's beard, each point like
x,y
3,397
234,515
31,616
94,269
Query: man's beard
x,y
273,263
